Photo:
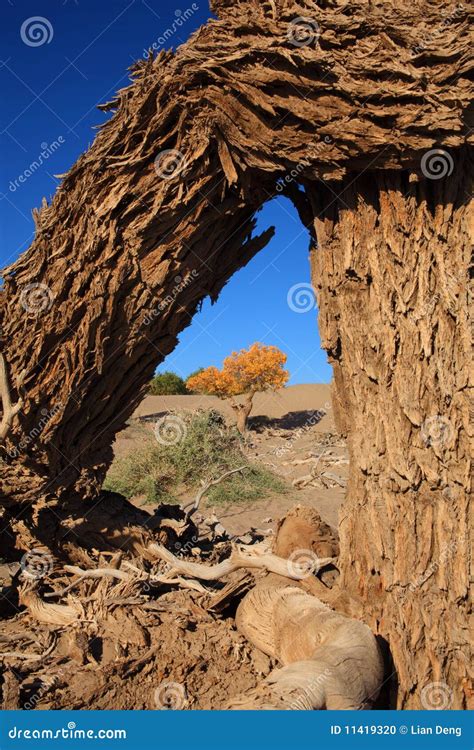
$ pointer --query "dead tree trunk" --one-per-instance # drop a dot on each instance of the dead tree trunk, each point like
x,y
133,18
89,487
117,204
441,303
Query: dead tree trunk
x,y
159,213
392,274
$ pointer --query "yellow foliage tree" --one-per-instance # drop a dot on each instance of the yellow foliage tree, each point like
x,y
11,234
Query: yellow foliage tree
x,y
244,373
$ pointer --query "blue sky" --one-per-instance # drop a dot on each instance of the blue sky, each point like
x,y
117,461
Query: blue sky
x,y
53,73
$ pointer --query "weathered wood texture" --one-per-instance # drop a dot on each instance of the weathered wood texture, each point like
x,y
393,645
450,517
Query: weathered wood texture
x,y
134,240
392,275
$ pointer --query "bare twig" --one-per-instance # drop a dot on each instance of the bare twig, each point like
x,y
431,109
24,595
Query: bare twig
x,y
207,486
83,574
32,657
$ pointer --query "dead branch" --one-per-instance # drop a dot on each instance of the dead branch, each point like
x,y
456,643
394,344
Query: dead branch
x,y
93,573
98,573
207,486
329,660
52,614
32,657
238,559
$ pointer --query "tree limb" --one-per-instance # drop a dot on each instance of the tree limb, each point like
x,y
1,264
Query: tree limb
x,y
238,559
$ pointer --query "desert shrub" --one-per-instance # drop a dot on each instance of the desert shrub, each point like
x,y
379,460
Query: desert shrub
x,y
168,384
207,449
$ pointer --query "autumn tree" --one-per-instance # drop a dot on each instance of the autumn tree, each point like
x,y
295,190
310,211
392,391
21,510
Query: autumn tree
x,y
245,373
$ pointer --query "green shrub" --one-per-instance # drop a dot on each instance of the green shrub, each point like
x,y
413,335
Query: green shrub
x,y
208,448
168,384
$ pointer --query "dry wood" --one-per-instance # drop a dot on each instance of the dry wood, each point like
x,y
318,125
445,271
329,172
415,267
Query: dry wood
x,y
52,614
206,486
239,558
330,661
355,116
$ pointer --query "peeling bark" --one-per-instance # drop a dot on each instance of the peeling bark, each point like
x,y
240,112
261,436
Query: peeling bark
x,y
392,275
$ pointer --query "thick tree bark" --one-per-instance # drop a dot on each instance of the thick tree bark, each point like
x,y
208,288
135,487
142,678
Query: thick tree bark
x,y
392,275
137,235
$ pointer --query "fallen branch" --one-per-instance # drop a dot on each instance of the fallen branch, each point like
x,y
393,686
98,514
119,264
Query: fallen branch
x,y
52,614
98,573
84,574
238,559
32,657
330,661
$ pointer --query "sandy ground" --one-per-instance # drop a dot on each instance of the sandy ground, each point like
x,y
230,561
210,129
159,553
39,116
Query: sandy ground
x,y
288,427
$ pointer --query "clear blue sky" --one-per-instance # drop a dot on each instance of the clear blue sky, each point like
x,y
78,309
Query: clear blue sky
x,y
53,73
